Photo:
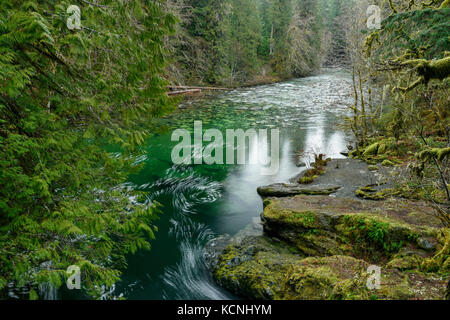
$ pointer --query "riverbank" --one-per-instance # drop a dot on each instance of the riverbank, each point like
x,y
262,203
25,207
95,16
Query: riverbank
x,y
313,246
192,92
260,80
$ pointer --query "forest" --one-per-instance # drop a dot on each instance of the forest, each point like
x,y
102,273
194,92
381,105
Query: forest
x,y
80,106
236,42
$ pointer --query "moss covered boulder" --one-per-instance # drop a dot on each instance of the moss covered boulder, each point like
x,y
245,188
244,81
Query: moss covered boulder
x,y
387,151
261,268
375,231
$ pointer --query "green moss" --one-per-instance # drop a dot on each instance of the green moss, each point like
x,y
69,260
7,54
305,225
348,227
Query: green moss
x,y
369,193
315,283
446,266
386,151
438,153
354,154
310,175
271,274
431,69
373,233
371,161
307,179
266,202
405,263
439,262
381,157
321,243
317,169
387,163
371,150
401,291
305,219
383,148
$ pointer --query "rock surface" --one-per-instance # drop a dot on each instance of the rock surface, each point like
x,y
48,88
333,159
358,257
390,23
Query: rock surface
x,y
322,225
316,246
291,189
349,175
258,267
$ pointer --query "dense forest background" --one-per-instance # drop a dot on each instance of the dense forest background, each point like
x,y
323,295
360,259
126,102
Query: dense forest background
x,y
231,42
65,94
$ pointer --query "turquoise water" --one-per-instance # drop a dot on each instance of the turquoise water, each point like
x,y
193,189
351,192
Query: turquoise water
x,y
203,201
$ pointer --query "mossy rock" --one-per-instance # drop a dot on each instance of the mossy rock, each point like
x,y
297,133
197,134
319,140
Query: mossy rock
x,y
405,263
376,238
370,193
323,250
319,230
354,153
254,267
387,163
274,274
335,277
416,213
439,262
385,151
307,230
371,150
307,179
382,148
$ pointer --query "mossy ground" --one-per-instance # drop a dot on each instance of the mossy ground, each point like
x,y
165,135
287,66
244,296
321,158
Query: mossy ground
x,y
413,165
370,193
388,152
323,251
273,273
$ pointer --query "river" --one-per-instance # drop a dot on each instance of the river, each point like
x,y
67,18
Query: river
x,y
203,201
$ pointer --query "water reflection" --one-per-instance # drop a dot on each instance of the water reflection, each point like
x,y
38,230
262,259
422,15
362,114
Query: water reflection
x,y
322,140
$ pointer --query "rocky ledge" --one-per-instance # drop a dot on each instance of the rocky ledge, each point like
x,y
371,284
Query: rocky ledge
x,y
291,189
310,245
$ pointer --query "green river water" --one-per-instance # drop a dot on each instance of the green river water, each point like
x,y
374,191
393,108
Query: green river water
x,y
203,201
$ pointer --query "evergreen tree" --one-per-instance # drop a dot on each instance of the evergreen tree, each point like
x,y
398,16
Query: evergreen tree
x,y
241,38
280,14
233,41
65,95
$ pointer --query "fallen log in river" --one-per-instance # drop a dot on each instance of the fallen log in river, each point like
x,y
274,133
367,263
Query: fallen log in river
x,y
184,92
